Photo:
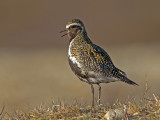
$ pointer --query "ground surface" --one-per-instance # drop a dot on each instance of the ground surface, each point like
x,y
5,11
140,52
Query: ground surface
x,y
145,109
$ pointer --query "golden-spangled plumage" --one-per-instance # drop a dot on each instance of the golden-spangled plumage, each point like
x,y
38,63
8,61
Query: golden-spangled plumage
x,y
90,62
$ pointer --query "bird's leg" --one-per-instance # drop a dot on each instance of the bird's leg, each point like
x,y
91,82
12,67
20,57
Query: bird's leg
x,y
92,89
99,94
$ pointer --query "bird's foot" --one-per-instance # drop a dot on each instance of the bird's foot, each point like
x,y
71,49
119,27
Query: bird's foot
x,y
99,103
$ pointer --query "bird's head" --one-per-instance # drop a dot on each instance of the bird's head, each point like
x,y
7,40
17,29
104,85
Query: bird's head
x,y
73,28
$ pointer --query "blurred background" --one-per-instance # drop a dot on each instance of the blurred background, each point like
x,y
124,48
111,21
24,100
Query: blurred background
x,y
33,55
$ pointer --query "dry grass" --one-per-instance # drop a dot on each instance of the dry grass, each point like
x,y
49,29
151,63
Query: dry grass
x,y
136,110
144,109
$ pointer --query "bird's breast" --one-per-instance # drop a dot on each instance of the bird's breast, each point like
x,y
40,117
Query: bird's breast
x,y
72,54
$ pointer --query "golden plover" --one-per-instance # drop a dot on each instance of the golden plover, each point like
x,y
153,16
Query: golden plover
x,y
90,62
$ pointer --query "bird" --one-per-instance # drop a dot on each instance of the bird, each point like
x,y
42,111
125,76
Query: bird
x,y
89,62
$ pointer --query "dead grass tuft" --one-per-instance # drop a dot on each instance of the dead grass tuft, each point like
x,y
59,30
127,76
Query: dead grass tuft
x,y
136,110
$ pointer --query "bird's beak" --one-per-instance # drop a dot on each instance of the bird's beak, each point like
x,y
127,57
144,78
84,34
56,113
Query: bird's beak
x,y
66,32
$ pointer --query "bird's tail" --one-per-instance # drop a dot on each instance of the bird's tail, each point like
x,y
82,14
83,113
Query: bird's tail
x,y
123,77
126,80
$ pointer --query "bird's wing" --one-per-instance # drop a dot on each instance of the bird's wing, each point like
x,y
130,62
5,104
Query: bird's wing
x,y
106,61
96,59
107,64
102,58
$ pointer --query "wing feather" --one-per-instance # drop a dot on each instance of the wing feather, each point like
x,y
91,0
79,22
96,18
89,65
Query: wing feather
x,y
96,59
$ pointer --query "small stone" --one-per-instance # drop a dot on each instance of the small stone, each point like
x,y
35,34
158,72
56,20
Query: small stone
x,y
117,114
